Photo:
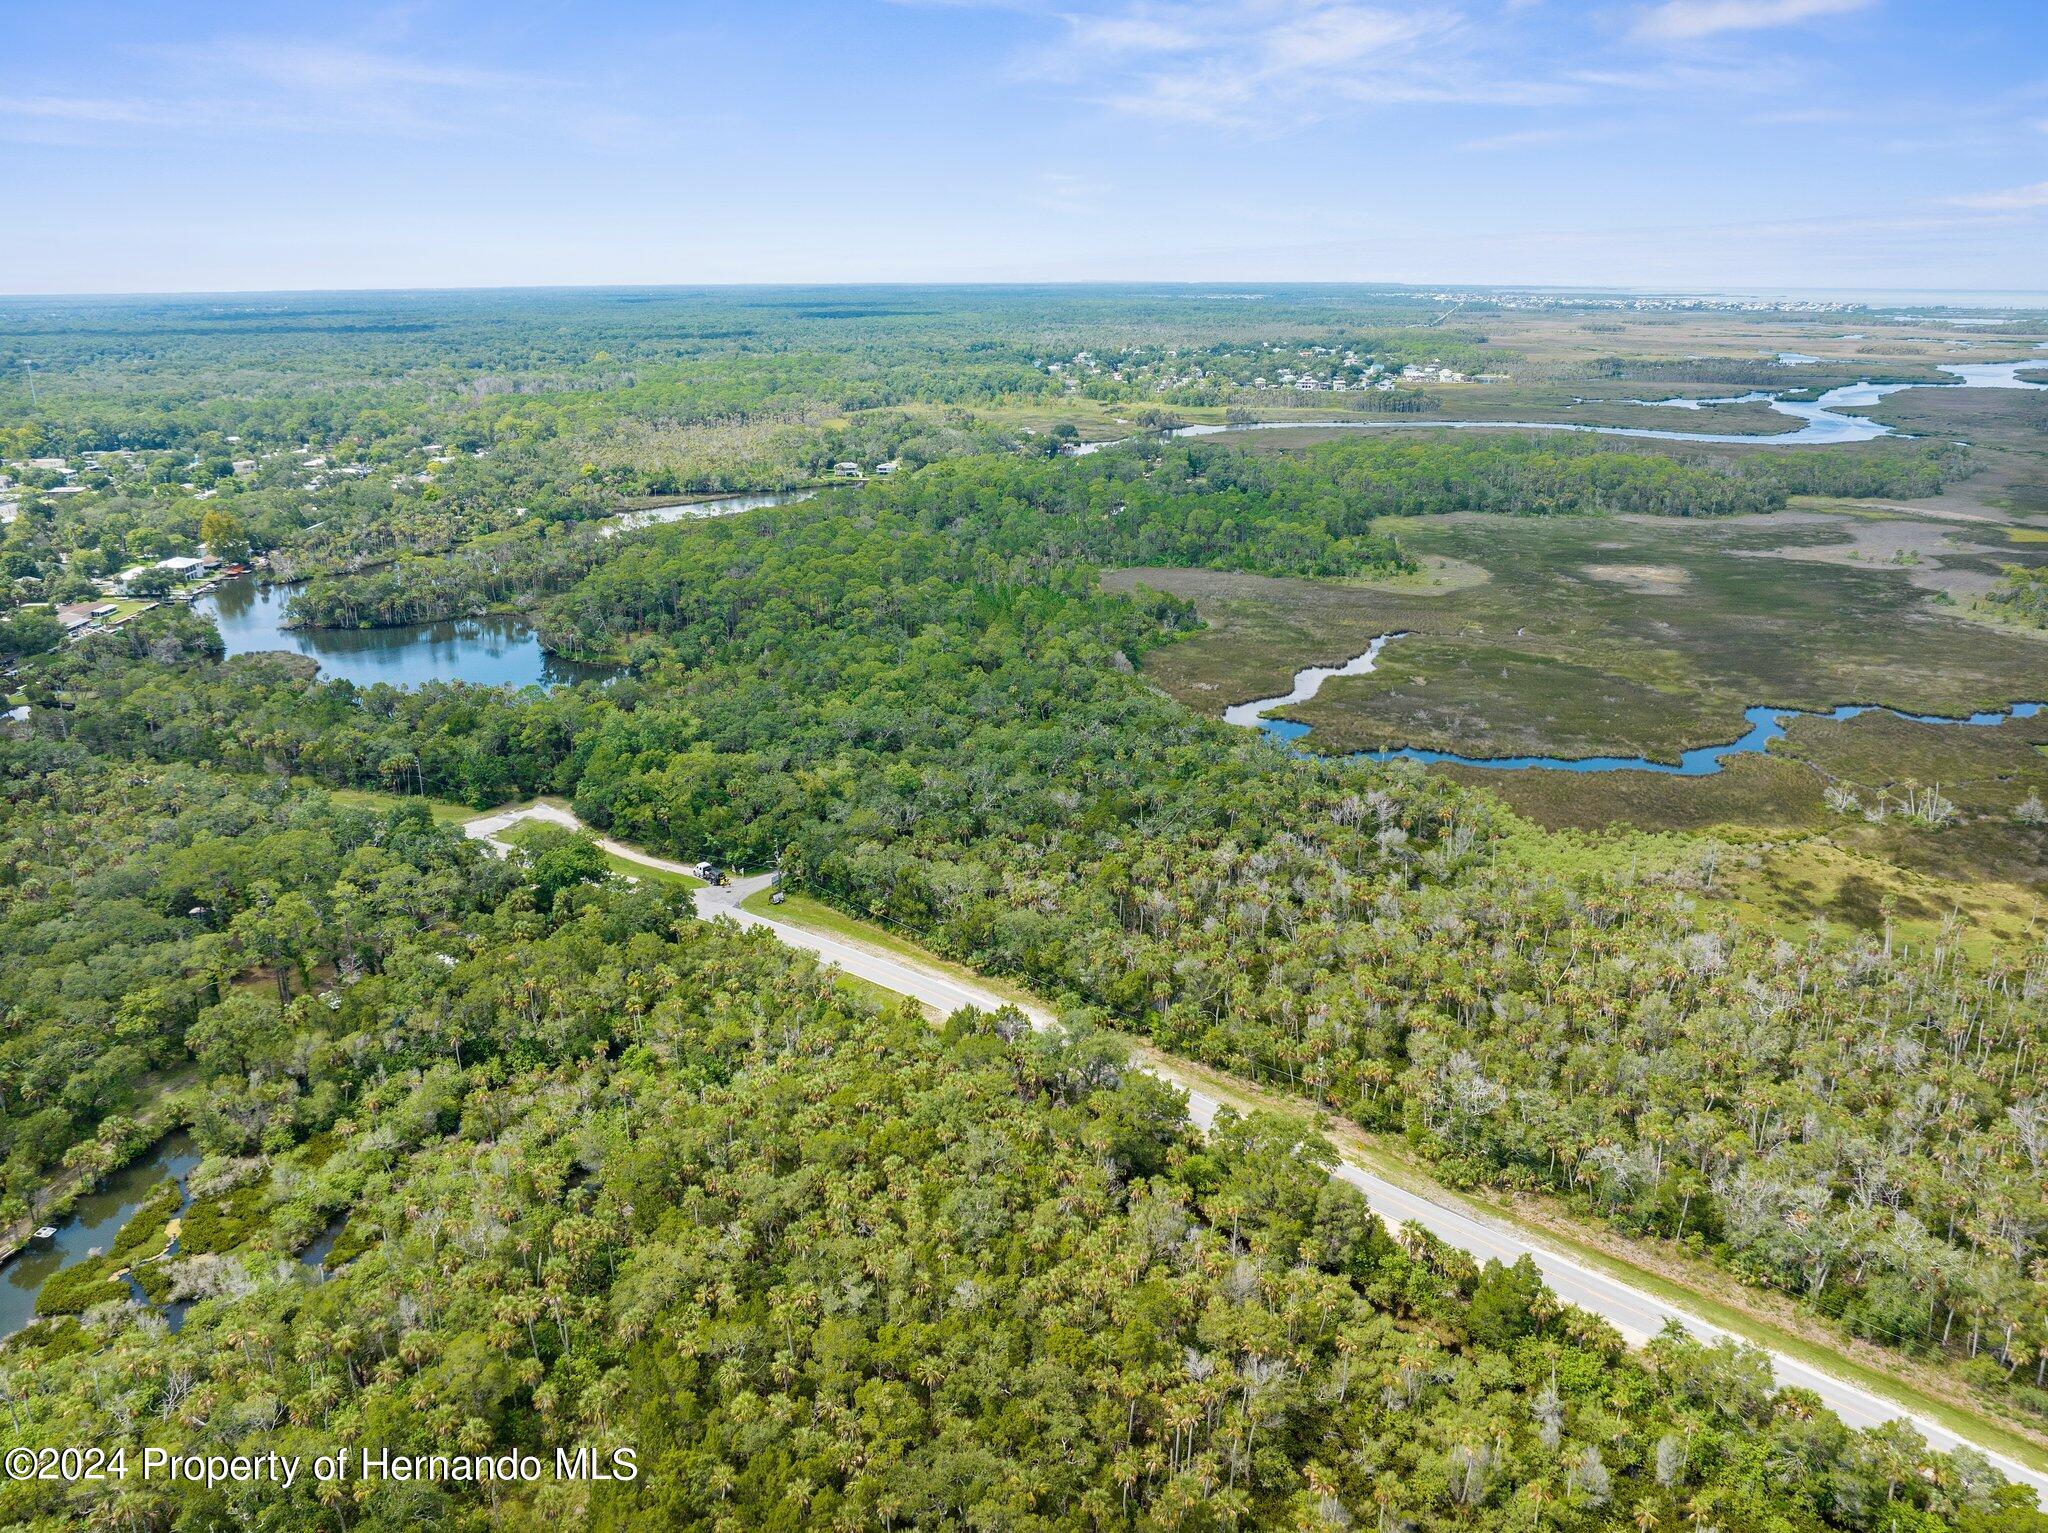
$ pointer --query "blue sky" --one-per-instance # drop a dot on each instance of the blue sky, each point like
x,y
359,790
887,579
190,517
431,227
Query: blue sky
x,y
1838,144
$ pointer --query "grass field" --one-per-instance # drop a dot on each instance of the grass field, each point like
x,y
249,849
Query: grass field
x,y
525,833
639,870
1786,886
2007,430
1592,636
444,811
1645,636
126,607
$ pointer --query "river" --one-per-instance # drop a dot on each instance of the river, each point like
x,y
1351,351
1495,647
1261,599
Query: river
x,y
698,510
1821,421
1999,375
89,1228
1766,723
495,650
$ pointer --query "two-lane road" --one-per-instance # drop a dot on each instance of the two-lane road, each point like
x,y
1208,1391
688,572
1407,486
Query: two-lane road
x,y
1636,1314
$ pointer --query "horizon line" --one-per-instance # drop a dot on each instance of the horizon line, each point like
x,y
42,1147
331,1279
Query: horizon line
x,y
1875,296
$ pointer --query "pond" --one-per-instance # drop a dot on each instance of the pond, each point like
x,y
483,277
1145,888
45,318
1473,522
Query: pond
x,y
314,1257
495,650
492,651
1766,723
89,1228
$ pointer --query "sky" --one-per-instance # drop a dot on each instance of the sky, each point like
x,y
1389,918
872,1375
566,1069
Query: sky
x,y
1692,145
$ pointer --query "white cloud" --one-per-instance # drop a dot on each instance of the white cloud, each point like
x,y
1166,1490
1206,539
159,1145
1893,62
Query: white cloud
x,y
1684,20
1131,34
1691,80
2011,199
321,84
1278,63
72,109
1800,116
341,70
1273,65
1063,192
1339,35
1526,138
292,85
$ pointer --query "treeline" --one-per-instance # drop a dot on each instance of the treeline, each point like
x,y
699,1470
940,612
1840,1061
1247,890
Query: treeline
x,y
1183,503
475,369
616,1179
443,418
1170,504
1904,472
1316,512
2023,594
1351,482
1749,372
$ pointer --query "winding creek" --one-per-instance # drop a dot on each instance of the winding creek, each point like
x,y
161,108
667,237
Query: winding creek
x,y
89,1228
1308,681
1822,422
1766,724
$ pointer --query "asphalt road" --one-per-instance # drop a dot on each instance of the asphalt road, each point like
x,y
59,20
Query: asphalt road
x,y
1636,1314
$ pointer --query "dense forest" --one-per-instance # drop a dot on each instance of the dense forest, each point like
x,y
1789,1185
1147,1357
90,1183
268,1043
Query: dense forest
x,y
508,1153
490,573
614,1177
925,710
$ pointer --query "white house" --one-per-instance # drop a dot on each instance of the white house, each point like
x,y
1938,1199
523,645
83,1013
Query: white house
x,y
180,567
